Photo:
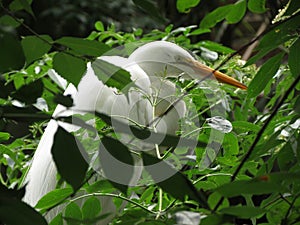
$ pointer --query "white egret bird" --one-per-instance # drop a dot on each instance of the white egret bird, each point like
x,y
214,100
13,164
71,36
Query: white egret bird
x,y
148,66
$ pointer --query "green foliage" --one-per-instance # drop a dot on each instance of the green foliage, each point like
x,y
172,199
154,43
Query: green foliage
x,y
255,175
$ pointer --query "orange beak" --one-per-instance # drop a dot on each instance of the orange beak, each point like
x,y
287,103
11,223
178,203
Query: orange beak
x,y
203,70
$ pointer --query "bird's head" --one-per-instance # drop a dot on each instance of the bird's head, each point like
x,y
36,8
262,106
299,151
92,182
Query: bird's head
x,y
161,58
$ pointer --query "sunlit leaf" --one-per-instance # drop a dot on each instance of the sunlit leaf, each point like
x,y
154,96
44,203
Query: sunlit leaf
x,y
53,198
72,214
257,6
4,136
84,46
237,11
184,6
69,67
67,155
264,75
35,47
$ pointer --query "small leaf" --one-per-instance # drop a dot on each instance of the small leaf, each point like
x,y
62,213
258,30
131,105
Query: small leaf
x,y
65,100
4,136
7,20
11,54
149,7
264,75
72,214
294,57
15,212
84,46
67,154
69,67
99,26
172,181
58,220
30,92
257,6
35,47
245,126
116,162
211,19
53,198
91,208
244,212
112,75
237,11
17,5
184,6
213,46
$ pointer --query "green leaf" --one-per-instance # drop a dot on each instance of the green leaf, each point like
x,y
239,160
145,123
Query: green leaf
x,y
58,220
30,92
17,5
184,6
116,162
99,26
65,100
172,181
15,212
4,136
213,46
84,46
217,15
11,54
35,47
67,154
112,75
73,214
69,67
53,198
257,6
264,75
245,126
237,11
294,57
91,208
244,212
149,7
7,20
230,144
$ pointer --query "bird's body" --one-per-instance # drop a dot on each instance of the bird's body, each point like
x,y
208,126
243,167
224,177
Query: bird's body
x,y
152,96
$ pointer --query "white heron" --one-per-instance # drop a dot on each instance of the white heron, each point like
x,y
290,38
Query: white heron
x,y
148,66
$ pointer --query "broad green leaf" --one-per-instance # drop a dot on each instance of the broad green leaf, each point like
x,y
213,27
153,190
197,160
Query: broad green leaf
x,y
7,20
257,6
217,15
58,220
30,92
214,219
230,144
53,198
72,214
91,208
15,212
245,126
67,154
17,5
116,162
101,185
244,212
172,181
11,54
84,46
112,75
184,6
264,75
294,57
69,67
149,7
35,47
237,11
